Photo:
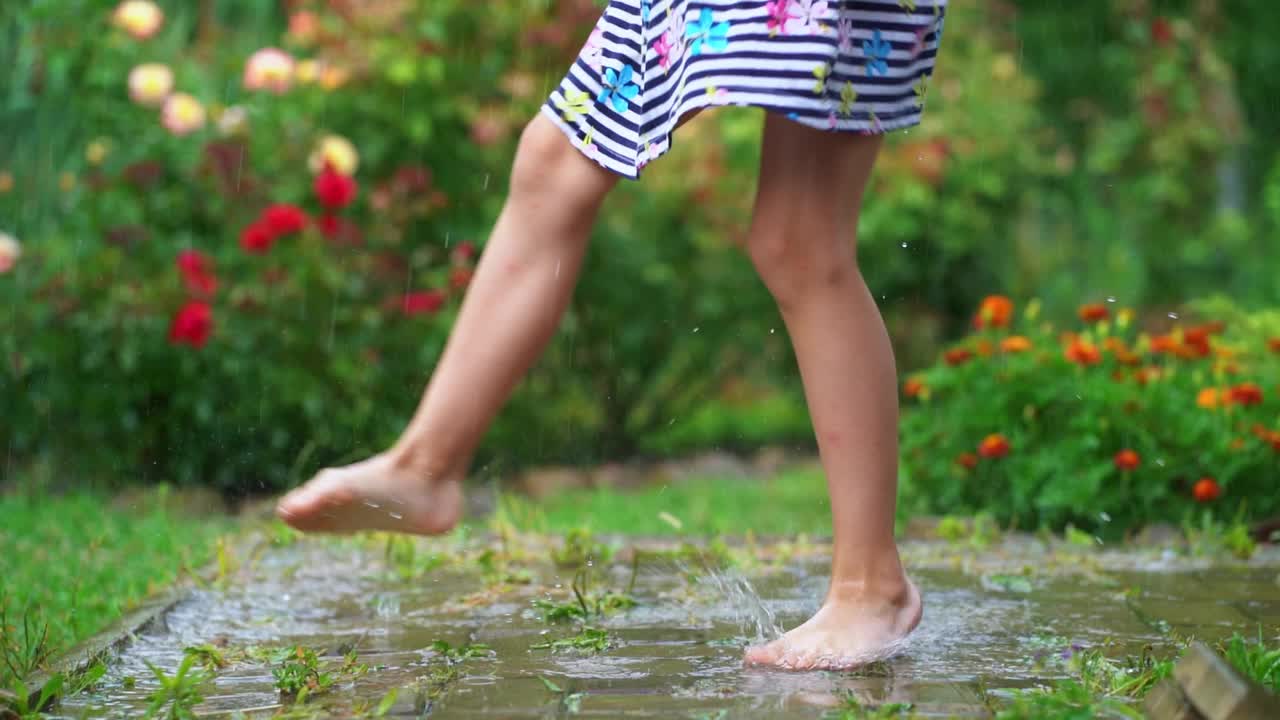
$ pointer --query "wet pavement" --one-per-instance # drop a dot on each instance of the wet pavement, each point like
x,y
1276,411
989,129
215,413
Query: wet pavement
x,y
995,619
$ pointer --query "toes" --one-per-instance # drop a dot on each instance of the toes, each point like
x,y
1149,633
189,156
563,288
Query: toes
x,y
768,654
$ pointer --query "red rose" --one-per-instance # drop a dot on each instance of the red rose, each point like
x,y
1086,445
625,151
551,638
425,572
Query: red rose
x,y
197,272
192,325
339,229
334,190
463,253
459,278
1161,31
418,303
284,219
257,238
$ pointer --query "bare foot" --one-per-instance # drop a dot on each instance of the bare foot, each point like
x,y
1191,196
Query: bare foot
x,y
844,634
374,494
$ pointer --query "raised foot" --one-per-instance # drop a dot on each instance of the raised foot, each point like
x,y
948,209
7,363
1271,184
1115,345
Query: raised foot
x,y
374,494
844,635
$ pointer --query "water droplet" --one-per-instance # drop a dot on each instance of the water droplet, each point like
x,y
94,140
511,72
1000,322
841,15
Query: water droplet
x,y
396,516
904,244
372,504
1160,462
695,329
1111,298
770,331
1173,315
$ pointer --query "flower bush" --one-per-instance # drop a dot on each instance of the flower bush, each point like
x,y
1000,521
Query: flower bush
x,y
1100,424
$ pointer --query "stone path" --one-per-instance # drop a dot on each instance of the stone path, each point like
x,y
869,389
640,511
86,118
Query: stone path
x,y
996,620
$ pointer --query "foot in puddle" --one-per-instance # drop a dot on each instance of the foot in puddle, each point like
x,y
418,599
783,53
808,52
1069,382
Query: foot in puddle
x,y
375,494
845,634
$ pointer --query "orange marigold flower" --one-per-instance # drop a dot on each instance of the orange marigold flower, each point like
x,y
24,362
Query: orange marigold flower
x,y
1147,374
967,459
1195,347
994,312
957,356
1094,312
1245,394
1206,490
1237,443
1200,333
1164,344
994,446
984,347
1084,353
1015,343
1113,344
1127,460
1274,344
913,387
1208,398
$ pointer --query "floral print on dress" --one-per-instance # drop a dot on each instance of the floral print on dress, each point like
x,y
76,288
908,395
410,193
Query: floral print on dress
x,y
706,32
671,45
804,17
779,15
618,89
807,60
574,104
593,52
877,52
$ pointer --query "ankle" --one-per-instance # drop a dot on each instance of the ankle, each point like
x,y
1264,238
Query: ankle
x,y
427,466
878,589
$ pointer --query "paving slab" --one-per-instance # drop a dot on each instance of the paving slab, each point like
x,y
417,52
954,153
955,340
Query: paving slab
x,y
995,621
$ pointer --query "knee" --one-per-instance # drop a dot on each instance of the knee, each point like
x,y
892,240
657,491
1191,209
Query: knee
x,y
547,165
798,258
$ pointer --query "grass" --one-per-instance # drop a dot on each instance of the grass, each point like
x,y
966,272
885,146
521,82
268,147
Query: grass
x,y
73,563
794,502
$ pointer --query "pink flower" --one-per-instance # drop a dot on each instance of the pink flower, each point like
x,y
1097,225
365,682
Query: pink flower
x,y
140,18
593,53
257,238
10,251
150,84
806,16
303,27
182,114
779,13
269,69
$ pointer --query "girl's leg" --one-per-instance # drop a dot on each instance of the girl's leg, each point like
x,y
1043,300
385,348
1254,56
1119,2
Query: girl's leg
x,y
521,288
802,243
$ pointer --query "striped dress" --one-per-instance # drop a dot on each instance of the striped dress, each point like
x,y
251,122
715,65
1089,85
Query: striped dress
x,y
842,65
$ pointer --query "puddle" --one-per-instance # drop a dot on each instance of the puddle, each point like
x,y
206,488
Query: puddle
x,y
677,653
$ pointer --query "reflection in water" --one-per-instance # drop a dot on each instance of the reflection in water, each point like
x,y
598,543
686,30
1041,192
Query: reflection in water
x,y
677,653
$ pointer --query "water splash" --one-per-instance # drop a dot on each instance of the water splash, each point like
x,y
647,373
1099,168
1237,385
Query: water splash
x,y
750,611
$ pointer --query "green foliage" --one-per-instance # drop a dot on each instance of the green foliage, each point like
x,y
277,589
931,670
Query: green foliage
x,y
298,671
579,548
74,562
1029,172
794,502
179,693
586,606
589,639
1258,661
1065,700
851,708
1030,425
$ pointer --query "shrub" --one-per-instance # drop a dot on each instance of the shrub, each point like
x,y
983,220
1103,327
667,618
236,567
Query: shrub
x,y
1098,424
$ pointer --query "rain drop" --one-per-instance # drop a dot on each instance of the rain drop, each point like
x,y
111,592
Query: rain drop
x,y
1111,298
1173,315
904,244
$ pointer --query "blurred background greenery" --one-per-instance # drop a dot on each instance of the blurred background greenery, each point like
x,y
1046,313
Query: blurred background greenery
x,y
1118,151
